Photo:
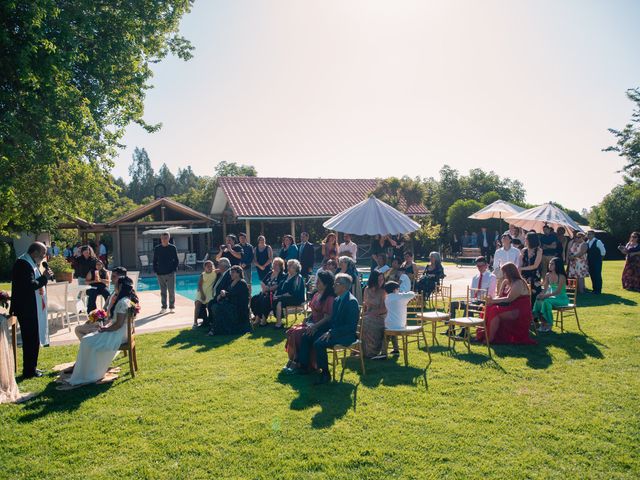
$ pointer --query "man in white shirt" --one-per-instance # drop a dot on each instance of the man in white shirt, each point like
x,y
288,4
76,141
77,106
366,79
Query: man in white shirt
x,y
595,254
396,303
504,255
348,247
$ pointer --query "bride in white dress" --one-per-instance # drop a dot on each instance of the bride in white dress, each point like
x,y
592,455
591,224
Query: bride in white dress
x,y
98,349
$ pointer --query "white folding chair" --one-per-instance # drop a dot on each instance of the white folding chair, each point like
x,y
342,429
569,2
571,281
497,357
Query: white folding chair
x,y
57,302
190,261
75,303
144,262
204,259
181,257
134,276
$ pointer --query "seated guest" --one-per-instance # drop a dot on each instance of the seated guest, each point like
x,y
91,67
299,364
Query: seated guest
x,y
330,247
90,327
340,330
403,280
204,294
396,319
99,281
98,348
328,266
508,316
348,247
262,303
554,294
631,272
466,240
231,251
432,275
85,265
531,259
306,255
473,240
321,306
374,313
222,282
506,254
232,307
517,244
290,293
262,258
289,249
379,245
577,253
410,267
483,284
381,264
348,266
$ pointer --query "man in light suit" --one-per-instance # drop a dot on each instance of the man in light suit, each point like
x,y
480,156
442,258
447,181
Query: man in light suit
x,y
341,329
306,255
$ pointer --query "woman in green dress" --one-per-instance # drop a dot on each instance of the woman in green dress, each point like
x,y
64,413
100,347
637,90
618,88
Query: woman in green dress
x,y
554,294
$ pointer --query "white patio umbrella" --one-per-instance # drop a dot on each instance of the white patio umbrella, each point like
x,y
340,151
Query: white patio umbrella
x,y
535,218
371,217
498,209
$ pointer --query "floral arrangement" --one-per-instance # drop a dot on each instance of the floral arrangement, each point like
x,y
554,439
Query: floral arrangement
x,y
4,299
134,309
97,315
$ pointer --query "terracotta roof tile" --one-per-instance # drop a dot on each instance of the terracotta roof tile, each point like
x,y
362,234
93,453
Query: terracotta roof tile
x,y
296,197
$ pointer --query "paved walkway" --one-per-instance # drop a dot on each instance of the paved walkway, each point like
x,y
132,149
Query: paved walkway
x,y
150,319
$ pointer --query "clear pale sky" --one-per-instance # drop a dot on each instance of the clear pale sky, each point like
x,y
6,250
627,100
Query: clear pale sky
x,y
385,88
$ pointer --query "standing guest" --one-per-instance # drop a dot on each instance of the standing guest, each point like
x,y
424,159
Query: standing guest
x,y
98,349
99,279
29,304
165,265
306,255
204,294
290,292
455,244
563,241
263,256
473,240
432,275
374,313
85,264
231,251
223,280
595,254
516,232
549,244
508,316
554,295
231,316
484,242
53,250
396,319
631,272
341,330
578,266
483,285
531,260
262,303
466,239
379,245
68,253
505,254
289,250
410,267
321,306
398,243
348,247
330,247
77,250
102,253
381,263
247,257
90,327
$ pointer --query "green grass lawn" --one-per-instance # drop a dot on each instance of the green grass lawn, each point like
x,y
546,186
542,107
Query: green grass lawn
x,y
211,408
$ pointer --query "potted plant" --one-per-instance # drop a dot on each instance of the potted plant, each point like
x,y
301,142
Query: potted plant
x,y
61,269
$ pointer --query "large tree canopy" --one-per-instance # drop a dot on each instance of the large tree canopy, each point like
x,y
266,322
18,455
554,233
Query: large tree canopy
x,y
628,139
74,75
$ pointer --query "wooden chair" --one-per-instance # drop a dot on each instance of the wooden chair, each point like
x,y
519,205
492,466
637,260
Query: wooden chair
x,y
130,345
409,334
355,348
441,313
12,324
294,310
571,309
474,318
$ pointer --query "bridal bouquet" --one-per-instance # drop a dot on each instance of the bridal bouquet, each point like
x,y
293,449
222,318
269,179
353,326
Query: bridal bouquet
x,y
4,299
134,309
97,315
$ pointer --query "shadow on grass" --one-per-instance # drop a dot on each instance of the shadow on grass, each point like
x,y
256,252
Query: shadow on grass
x,y
335,399
197,338
270,335
392,372
604,299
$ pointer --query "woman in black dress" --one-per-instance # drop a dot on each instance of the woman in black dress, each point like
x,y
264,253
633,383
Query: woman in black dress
x,y
531,262
262,303
262,258
231,316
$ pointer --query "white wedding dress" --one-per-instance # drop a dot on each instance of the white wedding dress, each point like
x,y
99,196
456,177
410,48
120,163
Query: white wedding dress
x,y
98,349
8,388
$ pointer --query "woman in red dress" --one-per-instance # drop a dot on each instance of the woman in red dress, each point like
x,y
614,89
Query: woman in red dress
x,y
509,315
321,306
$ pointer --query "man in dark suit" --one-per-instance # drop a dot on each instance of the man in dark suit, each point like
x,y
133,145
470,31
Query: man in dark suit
x,y
222,283
306,255
341,329
26,280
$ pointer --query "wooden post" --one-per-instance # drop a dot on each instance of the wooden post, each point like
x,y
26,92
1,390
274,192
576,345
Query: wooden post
x,y
117,259
293,230
247,227
224,228
135,242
